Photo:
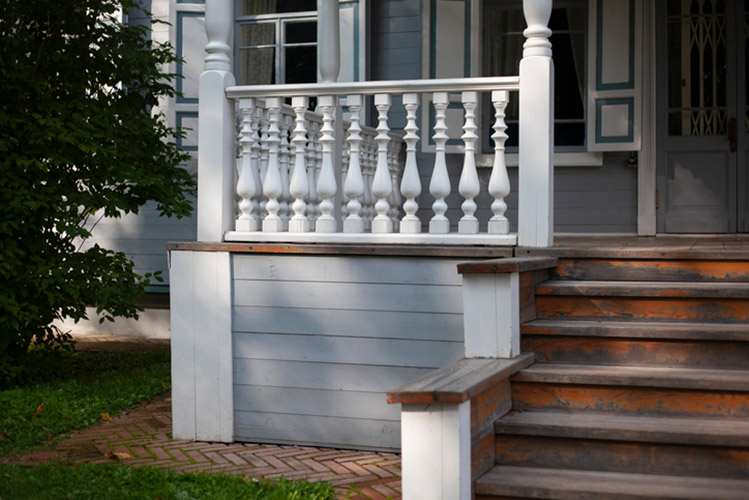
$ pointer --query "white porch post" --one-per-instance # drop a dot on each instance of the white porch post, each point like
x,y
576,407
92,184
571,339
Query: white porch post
x,y
216,159
536,172
328,41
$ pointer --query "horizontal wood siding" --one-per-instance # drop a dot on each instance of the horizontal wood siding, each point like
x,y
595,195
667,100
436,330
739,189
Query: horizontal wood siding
x,y
319,340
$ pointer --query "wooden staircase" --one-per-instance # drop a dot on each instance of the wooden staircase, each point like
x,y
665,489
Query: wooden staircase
x,y
640,387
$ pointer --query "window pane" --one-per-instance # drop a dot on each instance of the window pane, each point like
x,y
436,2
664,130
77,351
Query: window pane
x,y
256,7
301,64
257,66
252,35
300,32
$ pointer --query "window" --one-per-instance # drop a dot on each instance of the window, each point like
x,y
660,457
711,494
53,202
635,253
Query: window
x,y
503,47
277,41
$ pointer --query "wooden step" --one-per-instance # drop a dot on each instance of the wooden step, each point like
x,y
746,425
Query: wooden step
x,y
622,456
639,329
644,289
612,427
652,270
643,308
532,482
637,351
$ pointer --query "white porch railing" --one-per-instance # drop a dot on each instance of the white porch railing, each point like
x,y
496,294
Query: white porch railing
x,y
297,196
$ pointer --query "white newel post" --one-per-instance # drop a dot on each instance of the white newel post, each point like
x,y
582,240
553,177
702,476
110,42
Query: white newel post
x,y
491,315
536,172
216,158
434,438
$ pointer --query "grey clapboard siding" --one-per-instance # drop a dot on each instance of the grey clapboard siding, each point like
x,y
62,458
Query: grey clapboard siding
x,y
319,340
313,430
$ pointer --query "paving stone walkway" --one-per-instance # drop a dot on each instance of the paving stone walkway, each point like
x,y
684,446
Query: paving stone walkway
x,y
142,437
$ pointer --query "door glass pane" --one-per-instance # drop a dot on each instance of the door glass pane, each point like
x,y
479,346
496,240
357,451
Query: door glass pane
x,y
257,7
697,58
301,64
257,66
300,32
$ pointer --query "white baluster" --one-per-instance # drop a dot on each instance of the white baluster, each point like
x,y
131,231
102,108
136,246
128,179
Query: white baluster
x,y
439,185
263,166
312,174
382,184
283,161
255,162
272,187
499,182
369,155
395,195
469,186
411,183
326,185
246,189
354,183
299,185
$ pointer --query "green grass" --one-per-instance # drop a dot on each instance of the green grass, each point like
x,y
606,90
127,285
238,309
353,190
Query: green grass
x,y
122,482
72,390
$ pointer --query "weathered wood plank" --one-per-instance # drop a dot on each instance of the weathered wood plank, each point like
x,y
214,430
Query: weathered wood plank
x,y
510,265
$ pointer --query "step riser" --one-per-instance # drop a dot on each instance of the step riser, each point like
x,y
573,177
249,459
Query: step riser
x,y
629,400
623,351
642,309
612,456
652,270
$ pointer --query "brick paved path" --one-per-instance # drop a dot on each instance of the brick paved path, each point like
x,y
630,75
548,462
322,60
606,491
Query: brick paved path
x,y
142,437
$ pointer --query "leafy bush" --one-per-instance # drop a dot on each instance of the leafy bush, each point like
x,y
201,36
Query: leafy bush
x,y
79,135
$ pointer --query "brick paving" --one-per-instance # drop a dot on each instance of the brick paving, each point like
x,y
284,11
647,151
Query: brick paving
x,y
142,437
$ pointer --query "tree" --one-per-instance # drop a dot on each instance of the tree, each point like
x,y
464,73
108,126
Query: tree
x,y
78,136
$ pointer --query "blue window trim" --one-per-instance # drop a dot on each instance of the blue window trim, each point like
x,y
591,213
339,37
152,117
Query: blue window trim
x,y
180,54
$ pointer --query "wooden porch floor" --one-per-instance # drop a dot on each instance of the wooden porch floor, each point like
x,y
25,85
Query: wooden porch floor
x,y
720,247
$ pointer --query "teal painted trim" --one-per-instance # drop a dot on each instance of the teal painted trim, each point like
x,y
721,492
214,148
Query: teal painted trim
x,y
433,120
467,42
157,289
180,54
630,83
179,116
630,137
433,39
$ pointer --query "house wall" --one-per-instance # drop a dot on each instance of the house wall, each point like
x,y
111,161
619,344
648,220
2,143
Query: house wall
x,y
318,341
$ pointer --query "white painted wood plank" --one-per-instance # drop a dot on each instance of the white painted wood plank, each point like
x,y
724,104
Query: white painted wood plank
x,y
147,231
365,351
351,269
182,346
315,402
382,324
324,431
312,375
504,240
350,296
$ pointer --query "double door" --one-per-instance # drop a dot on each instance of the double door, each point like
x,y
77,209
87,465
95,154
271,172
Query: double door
x,y
702,51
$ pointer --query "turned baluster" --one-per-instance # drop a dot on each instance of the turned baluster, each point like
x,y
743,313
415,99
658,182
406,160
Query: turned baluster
x,y
312,174
257,206
395,195
439,185
499,182
369,161
283,160
299,184
246,189
382,184
263,166
326,184
469,186
411,183
272,187
354,184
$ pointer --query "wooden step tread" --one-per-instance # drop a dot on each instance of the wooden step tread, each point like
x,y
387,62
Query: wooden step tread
x,y
638,329
640,376
533,482
616,427
681,289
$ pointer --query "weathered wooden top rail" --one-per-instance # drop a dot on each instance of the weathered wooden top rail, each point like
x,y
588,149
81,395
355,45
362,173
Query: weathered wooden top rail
x,y
479,84
459,381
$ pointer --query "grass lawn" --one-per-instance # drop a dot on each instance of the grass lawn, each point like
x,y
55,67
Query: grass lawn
x,y
121,482
82,388
75,390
